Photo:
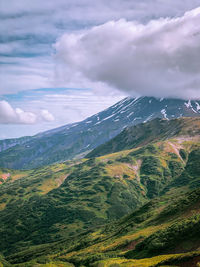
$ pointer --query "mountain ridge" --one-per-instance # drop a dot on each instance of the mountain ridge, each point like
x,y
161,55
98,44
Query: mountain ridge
x,y
77,139
141,134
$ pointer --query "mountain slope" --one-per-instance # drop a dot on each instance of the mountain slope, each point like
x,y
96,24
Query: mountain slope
x,y
163,232
154,229
92,192
8,143
155,130
77,139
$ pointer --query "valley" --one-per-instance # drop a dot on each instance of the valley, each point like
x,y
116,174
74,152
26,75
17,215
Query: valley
x,y
127,201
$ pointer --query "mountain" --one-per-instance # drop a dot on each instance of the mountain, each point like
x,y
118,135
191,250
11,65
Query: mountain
x,y
142,134
7,143
57,212
77,139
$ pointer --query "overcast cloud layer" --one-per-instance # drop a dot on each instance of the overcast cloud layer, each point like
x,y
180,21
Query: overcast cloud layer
x,y
29,28
160,58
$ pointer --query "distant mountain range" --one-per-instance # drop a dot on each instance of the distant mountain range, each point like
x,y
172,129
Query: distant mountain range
x,y
77,139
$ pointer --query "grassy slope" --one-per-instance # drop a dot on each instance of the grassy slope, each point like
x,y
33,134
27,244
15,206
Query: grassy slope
x,y
123,241
22,185
48,216
152,131
50,204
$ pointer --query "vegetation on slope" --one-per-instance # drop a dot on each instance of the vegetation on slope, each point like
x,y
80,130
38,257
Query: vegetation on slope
x,y
56,213
142,134
92,193
151,231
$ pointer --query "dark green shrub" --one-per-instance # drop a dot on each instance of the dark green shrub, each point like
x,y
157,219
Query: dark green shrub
x,y
150,166
183,154
127,159
176,168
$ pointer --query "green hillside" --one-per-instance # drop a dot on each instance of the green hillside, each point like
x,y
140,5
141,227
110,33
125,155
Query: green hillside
x,y
73,213
163,232
152,131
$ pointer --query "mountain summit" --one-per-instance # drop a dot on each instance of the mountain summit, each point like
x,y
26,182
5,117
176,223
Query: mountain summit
x,y
77,139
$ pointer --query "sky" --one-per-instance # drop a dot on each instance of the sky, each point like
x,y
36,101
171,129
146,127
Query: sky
x,y
62,61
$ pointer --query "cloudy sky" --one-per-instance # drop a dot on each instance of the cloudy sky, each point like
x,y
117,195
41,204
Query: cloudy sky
x,y
64,60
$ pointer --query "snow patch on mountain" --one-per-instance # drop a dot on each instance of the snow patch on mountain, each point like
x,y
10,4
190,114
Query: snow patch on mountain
x,y
198,106
163,111
188,104
108,117
130,114
148,118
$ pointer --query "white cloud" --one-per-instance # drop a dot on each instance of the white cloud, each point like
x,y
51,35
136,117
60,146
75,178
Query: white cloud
x,y
9,115
76,105
68,106
28,29
160,58
46,115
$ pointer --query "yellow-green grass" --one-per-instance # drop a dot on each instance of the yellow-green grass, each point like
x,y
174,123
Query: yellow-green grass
x,y
113,156
110,244
147,262
52,182
117,170
49,264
